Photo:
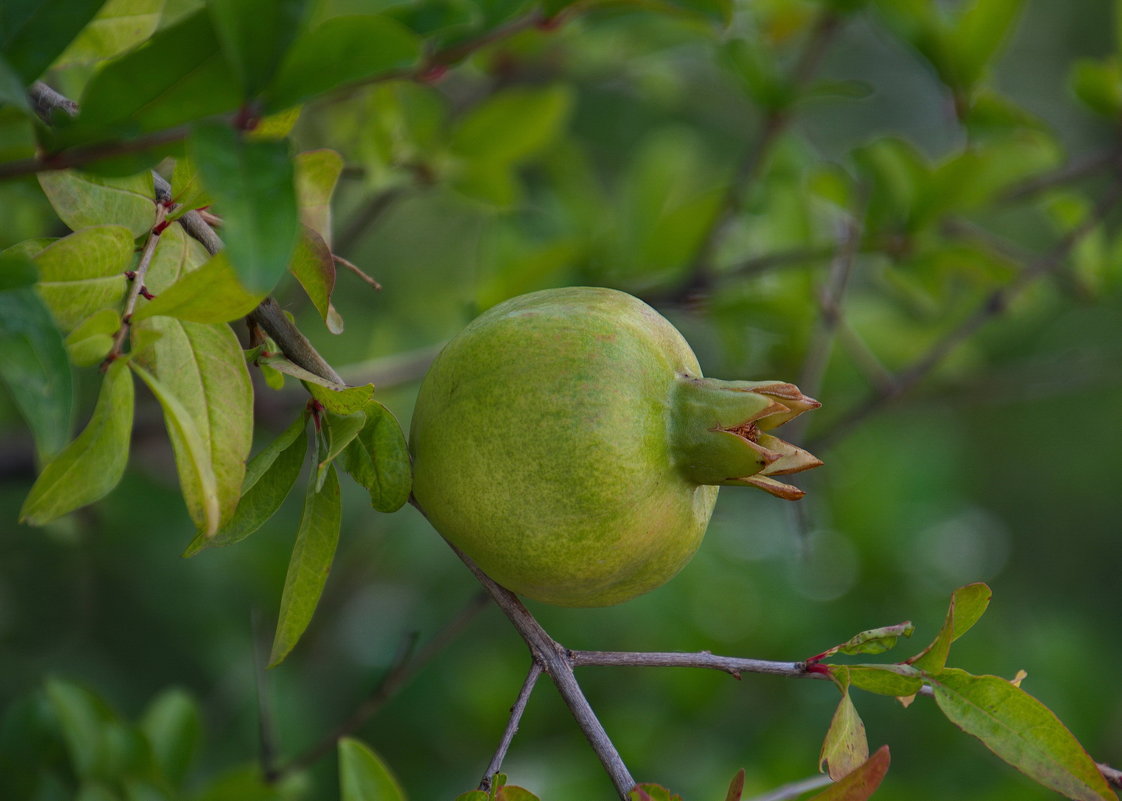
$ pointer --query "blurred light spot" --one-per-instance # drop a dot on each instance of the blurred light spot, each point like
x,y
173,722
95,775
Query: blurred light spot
x,y
972,545
827,569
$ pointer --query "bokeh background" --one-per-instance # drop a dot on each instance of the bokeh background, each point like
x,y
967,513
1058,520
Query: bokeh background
x,y
1002,464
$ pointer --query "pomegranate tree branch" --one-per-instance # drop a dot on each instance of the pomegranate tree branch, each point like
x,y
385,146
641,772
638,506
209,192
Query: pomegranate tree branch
x,y
554,661
516,712
732,665
399,675
137,287
995,304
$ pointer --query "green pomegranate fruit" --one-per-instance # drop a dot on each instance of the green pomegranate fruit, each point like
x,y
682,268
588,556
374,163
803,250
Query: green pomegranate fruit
x,y
566,441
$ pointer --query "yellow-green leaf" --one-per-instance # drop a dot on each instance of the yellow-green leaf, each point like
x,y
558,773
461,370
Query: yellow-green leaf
x,y
311,560
363,776
317,173
210,294
199,375
84,273
90,342
378,459
314,268
92,465
845,747
82,199
1020,730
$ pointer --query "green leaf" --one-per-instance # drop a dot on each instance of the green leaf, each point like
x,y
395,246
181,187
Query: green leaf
x,y
647,791
872,641
758,72
269,479
90,342
340,431
92,465
187,188
341,51
252,186
84,273
255,35
82,717
1020,730
34,32
178,76
312,555
177,254
198,374
17,270
473,795
317,173
173,725
363,776
81,199
314,267
898,681
512,792
344,400
210,294
845,748
967,605
35,369
861,783
1098,84
118,26
514,125
379,460
976,36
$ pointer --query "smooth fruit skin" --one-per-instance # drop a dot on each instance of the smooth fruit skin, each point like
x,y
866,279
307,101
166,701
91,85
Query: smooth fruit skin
x,y
540,447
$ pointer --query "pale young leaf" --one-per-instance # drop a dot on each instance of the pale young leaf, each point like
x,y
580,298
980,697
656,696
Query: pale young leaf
x,y
317,173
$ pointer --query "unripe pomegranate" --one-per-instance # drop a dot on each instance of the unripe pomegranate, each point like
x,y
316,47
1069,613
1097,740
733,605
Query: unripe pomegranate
x,y
566,441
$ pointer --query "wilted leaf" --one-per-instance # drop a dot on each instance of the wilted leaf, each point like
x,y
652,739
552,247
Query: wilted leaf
x,y
252,186
269,478
81,200
35,369
363,776
861,783
173,725
1020,730
845,747
312,555
379,460
210,294
85,273
90,466
338,52
871,641
198,374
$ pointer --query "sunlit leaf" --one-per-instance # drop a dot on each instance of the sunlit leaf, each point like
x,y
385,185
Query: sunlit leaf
x,y
252,186
317,173
311,560
363,776
81,199
269,478
92,465
35,369
198,374
860,783
210,294
1020,730
84,273
338,52
118,26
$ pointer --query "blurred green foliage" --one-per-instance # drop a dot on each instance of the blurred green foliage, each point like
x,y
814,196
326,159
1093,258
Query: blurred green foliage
x,y
917,164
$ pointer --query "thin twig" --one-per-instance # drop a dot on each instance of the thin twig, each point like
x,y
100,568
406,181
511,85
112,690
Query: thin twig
x,y
516,712
794,789
399,675
732,665
995,304
1113,776
46,101
362,221
357,271
137,288
1068,173
554,661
